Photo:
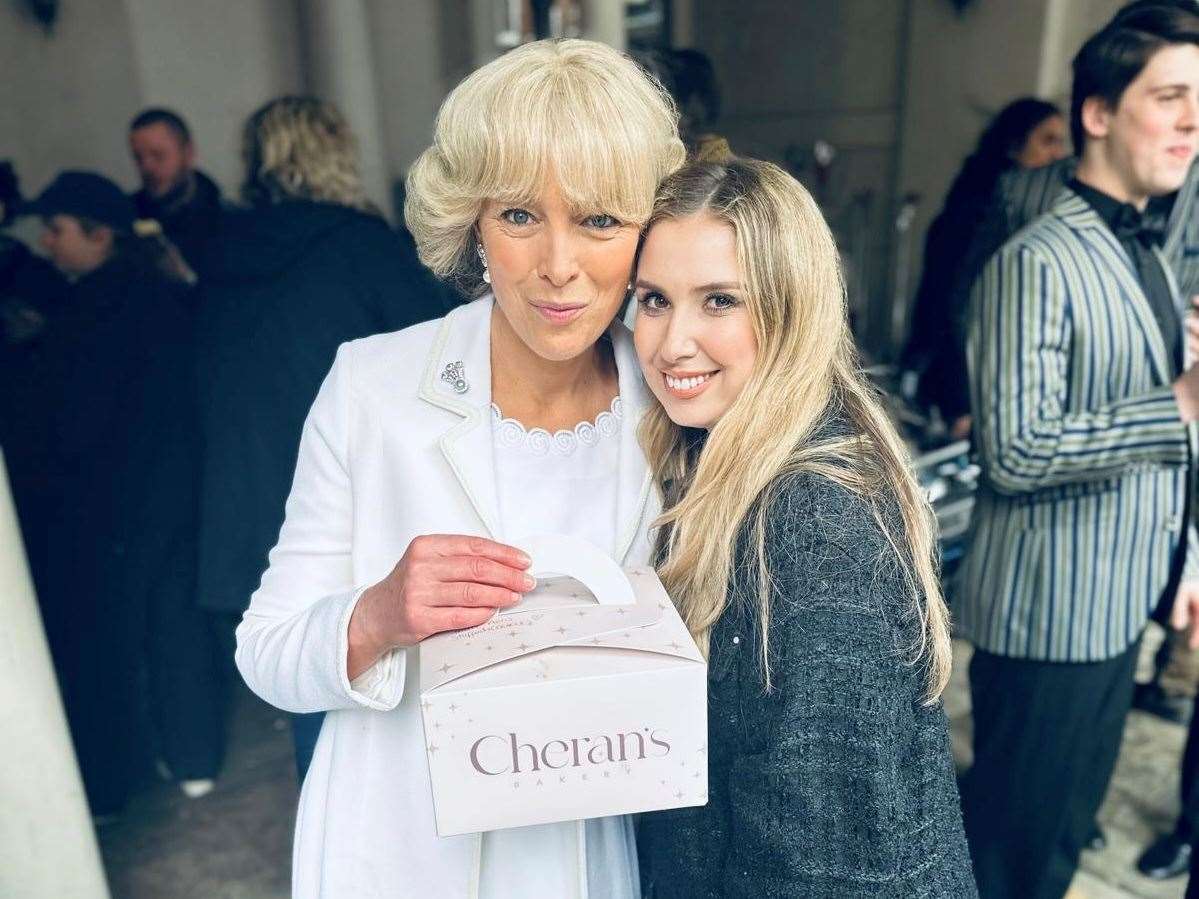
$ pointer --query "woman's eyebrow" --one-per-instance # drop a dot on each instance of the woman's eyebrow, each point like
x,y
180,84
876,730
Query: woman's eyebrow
x,y
699,288
720,285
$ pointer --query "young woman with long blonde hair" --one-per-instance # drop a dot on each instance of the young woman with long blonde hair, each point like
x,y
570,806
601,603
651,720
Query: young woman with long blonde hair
x,y
801,554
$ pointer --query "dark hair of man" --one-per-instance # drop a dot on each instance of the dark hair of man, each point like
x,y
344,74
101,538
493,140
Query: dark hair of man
x,y
157,115
1113,58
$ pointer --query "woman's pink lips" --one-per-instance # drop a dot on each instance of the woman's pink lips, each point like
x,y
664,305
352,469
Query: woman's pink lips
x,y
559,315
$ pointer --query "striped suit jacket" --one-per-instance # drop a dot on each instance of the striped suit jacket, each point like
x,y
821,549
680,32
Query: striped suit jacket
x,y
1083,452
1026,194
1023,195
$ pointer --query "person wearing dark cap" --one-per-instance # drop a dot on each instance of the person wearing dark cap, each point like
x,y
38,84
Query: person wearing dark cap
x,y
180,197
114,381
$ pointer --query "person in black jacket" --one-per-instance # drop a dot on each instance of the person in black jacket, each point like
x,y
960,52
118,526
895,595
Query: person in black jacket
x,y
180,197
310,265
109,399
1027,133
800,553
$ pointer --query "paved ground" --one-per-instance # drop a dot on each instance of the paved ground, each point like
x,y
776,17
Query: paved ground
x,y
1141,803
235,842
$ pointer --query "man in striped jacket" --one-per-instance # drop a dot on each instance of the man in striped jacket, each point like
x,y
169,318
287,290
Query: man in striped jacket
x,y
1081,416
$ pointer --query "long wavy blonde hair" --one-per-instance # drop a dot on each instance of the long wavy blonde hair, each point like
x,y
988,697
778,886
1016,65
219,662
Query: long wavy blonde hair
x,y
302,148
575,112
806,370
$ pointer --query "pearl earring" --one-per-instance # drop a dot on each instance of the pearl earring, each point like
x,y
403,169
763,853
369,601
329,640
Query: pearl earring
x,y
483,257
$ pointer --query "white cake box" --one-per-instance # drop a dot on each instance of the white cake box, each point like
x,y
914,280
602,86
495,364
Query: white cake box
x,y
587,699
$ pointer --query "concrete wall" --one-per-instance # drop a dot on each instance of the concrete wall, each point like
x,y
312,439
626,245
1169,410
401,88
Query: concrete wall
x,y
215,66
1068,24
795,73
47,844
961,69
412,79
69,94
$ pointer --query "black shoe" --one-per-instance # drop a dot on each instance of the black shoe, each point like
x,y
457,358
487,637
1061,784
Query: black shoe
x,y
1166,858
1151,698
1096,839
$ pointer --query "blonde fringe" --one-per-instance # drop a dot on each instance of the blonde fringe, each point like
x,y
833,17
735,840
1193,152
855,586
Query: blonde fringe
x,y
577,112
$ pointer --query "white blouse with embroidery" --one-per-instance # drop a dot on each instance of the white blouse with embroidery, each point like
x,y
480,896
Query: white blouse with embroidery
x,y
561,483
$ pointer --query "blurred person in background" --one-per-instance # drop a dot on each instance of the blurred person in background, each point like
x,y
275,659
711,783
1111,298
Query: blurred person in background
x,y
185,201
309,265
1020,196
31,293
696,91
690,78
111,380
1027,133
1082,399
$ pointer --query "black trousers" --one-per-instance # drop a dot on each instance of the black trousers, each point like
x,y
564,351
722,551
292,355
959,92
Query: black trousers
x,y
1188,822
1046,739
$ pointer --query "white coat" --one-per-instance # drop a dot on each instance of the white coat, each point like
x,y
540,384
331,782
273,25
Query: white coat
x,y
390,450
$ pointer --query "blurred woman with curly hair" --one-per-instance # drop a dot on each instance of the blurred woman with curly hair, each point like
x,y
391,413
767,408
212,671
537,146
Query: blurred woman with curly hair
x,y
309,265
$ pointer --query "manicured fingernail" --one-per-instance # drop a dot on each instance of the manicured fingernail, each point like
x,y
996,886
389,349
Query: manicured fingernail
x,y
524,560
529,582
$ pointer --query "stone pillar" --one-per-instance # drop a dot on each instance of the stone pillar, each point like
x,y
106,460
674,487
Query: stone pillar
x,y
682,23
47,845
340,68
603,20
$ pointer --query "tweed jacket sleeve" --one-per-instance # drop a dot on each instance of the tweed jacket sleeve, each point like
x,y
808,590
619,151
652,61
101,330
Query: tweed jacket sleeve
x,y
1032,433
852,793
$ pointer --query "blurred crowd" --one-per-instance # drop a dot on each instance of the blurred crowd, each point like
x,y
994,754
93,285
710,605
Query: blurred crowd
x,y
157,360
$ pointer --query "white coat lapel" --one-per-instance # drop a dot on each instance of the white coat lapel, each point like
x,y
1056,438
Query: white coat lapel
x,y
465,337
633,481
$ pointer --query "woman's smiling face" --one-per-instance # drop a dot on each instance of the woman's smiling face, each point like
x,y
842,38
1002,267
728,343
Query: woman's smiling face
x,y
694,335
559,275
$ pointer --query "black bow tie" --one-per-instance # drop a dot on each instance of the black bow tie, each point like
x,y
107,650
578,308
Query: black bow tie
x,y
1147,227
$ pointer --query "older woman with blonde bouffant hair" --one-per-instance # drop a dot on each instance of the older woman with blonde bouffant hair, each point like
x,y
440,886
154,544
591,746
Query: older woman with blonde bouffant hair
x,y
429,451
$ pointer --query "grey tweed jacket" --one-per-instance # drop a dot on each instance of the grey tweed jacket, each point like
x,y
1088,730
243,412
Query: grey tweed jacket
x,y
840,782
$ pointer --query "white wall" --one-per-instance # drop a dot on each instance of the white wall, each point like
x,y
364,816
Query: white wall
x,y
408,64
69,94
214,63
1068,24
961,69
795,73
